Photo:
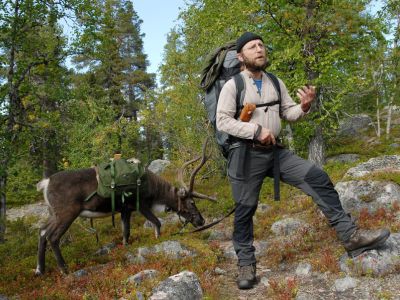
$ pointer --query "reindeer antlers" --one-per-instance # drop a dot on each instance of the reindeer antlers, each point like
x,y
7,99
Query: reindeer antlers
x,y
194,173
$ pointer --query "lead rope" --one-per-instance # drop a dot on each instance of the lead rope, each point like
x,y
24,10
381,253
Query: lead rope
x,y
205,226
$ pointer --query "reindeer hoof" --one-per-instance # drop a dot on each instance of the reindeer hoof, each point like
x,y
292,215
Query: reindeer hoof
x,y
38,272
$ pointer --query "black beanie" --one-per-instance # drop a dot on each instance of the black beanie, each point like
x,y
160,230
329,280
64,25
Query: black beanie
x,y
245,38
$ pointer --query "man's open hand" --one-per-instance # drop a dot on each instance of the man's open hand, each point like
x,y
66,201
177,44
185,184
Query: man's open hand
x,y
306,95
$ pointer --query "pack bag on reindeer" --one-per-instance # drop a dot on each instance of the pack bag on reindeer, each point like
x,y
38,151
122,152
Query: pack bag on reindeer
x,y
120,177
221,65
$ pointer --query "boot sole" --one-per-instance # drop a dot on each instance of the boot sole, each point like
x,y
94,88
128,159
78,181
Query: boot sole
x,y
376,244
246,284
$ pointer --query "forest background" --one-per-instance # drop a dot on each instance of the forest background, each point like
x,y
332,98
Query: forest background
x,y
55,117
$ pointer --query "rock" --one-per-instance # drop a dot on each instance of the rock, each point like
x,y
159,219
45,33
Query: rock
x,y
354,125
171,248
148,224
84,272
343,158
386,163
138,278
80,273
182,286
394,145
172,219
265,281
219,271
287,226
378,262
106,249
2,297
217,235
303,269
305,296
158,166
343,284
135,259
263,208
140,296
355,195
229,251
38,210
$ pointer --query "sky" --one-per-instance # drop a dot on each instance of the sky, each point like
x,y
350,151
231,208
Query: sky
x,y
159,17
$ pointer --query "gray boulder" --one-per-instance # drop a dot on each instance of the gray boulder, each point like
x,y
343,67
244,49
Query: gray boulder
x,y
287,226
303,270
344,284
354,125
171,248
182,286
106,249
394,145
386,163
219,235
378,262
158,166
148,224
138,278
355,195
135,259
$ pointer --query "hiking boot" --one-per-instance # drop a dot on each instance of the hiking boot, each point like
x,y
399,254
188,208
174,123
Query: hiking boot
x,y
247,277
362,240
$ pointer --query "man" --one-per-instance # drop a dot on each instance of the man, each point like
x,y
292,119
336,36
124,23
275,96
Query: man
x,y
251,159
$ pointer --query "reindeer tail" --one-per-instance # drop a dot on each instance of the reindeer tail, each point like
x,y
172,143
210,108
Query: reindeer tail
x,y
42,184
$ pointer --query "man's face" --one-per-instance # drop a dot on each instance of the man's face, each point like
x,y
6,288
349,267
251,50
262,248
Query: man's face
x,y
253,55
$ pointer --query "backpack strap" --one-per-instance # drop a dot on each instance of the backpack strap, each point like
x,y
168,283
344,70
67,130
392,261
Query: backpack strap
x,y
239,82
277,86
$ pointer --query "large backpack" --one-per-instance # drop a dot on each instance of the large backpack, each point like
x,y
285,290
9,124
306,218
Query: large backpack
x,y
221,65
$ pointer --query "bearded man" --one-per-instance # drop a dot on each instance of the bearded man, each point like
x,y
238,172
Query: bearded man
x,y
251,158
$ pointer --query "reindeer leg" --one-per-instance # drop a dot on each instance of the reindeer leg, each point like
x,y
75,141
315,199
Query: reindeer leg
x,y
41,256
126,224
55,233
148,214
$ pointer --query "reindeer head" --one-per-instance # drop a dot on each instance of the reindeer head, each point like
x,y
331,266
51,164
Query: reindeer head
x,y
186,196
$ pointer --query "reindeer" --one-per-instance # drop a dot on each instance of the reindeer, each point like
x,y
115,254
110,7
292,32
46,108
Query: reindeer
x,y
65,193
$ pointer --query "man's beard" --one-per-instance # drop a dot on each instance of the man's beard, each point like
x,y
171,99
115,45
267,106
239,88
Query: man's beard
x,y
254,66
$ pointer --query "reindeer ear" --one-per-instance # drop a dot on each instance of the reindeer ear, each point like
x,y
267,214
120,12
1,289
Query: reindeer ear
x,y
182,192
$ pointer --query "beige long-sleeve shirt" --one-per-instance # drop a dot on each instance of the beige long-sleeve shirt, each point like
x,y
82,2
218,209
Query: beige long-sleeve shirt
x,y
226,109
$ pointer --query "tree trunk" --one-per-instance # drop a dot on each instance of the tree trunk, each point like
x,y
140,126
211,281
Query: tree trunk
x,y
378,119
289,137
389,118
3,180
316,148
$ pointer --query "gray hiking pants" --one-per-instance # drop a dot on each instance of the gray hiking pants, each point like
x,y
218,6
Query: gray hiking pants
x,y
247,168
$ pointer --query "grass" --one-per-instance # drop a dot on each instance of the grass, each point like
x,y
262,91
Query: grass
x,y
316,244
108,279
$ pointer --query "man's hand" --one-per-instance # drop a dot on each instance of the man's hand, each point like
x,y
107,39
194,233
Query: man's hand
x,y
306,95
266,137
